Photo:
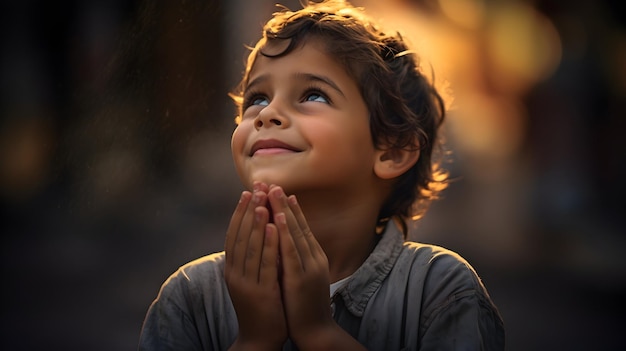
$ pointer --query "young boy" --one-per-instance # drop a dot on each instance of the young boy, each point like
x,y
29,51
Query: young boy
x,y
334,140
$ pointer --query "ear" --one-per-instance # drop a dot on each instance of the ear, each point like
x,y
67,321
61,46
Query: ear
x,y
392,163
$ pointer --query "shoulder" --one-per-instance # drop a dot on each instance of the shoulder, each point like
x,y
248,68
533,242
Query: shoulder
x,y
194,287
438,265
454,300
204,267
196,275
453,291
444,278
192,309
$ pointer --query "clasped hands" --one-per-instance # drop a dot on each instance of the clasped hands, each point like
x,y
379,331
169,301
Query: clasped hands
x,y
276,272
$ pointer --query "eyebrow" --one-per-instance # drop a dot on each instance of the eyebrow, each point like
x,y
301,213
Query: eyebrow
x,y
306,76
257,80
320,78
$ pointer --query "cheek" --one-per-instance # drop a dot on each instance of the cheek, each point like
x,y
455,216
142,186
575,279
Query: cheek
x,y
237,145
348,143
238,139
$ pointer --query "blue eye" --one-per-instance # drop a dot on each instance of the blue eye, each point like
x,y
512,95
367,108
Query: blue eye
x,y
260,101
317,97
254,98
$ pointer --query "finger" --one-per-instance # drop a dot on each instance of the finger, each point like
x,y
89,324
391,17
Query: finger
x,y
260,186
289,256
268,273
298,233
240,245
254,248
235,224
314,245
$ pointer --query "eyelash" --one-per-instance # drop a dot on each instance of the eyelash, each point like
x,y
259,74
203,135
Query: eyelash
x,y
316,90
252,95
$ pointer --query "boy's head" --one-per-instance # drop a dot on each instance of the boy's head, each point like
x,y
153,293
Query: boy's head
x,y
405,111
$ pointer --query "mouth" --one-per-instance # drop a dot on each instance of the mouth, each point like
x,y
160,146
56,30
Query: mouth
x,y
271,147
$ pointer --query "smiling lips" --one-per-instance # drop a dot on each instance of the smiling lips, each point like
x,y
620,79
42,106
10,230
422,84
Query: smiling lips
x,y
271,147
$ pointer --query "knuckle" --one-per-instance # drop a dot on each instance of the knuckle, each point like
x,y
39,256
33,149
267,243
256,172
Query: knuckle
x,y
298,234
307,232
250,253
265,262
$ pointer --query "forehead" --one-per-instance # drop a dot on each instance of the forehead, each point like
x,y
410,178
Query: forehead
x,y
310,56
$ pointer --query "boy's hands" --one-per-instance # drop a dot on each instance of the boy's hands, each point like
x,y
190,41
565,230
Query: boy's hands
x,y
305,278
251,274
278,276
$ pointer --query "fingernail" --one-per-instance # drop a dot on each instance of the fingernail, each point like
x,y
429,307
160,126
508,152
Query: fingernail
x,y
280,218
256,186
255,198
293,200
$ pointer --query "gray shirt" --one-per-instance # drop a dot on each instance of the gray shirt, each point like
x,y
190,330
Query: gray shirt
x,y
405,296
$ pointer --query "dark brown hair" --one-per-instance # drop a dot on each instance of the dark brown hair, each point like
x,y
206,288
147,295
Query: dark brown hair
x,y
405,109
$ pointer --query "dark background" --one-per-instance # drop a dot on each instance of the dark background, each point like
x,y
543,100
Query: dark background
x,y
115,170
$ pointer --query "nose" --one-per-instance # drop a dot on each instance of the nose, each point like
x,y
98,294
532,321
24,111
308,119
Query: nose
x,y
273,115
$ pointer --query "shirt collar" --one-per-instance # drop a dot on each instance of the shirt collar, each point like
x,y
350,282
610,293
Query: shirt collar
x,y
368,278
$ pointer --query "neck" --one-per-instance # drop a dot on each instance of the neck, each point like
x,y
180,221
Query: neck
x,y
345,227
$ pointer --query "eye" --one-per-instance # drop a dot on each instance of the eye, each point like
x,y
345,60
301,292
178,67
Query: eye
x,y
316,96
260,101
255,99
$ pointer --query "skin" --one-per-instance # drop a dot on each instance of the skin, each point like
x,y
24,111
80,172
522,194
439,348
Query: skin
x,y
279,263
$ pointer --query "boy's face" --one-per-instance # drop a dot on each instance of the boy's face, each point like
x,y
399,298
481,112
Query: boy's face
x,y
304,125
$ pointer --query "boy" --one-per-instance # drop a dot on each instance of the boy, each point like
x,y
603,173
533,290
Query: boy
x,y
334,139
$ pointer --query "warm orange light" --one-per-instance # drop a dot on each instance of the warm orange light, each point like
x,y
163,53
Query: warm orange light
x,y
489,128
523,45
466,13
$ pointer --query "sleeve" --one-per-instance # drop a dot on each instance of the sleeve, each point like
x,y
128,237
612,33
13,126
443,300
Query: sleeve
x,y
458,313
168,324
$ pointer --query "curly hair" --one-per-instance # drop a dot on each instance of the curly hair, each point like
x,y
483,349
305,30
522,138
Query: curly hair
x,y
406,111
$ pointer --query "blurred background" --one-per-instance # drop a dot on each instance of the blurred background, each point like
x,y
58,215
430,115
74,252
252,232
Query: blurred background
x,y
115,166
